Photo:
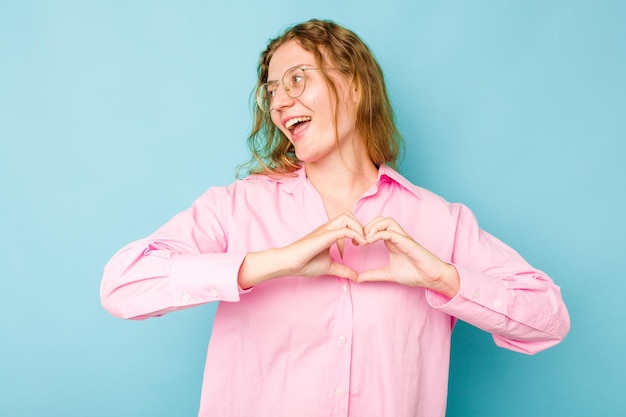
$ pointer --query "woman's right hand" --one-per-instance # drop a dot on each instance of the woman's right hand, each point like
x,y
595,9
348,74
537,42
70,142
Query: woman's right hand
x,y
309,256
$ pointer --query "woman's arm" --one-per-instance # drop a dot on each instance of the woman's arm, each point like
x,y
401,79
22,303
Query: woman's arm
x,y
183,264
486,283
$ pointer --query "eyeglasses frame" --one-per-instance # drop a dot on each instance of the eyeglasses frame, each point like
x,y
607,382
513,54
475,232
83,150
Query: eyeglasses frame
x,y
259,99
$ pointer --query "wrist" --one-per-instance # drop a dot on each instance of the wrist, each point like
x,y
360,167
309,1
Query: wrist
x,y
448,283
261,266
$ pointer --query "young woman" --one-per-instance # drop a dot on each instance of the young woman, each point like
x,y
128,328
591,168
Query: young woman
x,y
340,280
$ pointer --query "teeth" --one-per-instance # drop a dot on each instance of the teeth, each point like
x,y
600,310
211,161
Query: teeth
x,y
292,122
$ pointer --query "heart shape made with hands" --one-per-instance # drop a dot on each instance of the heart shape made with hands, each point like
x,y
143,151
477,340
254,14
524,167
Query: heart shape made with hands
x,y
404,261
380,258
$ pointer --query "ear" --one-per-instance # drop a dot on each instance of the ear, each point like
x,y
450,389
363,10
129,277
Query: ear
x,y
355,91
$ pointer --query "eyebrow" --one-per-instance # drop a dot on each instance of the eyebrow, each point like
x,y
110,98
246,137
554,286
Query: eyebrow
x,y
293,66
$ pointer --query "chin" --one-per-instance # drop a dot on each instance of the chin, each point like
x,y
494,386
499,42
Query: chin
x,y
304,157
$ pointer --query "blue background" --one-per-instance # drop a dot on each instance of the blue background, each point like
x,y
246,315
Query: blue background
x,y
116,115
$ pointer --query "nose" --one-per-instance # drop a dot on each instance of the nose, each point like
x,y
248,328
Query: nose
x,y
281,98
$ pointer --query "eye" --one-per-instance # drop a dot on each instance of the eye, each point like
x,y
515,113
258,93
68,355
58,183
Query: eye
x,y
296,80
270,89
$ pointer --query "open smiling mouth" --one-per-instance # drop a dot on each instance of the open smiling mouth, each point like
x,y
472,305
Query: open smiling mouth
x,y
293,124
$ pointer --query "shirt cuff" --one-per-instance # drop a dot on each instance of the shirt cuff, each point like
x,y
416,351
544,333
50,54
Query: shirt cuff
x,y
478,292
199,279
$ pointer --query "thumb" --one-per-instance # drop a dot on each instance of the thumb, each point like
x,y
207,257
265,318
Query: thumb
x,y
342,271
378,274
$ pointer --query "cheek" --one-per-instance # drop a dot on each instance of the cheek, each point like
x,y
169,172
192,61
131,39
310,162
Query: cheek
x,y
317,99
275,119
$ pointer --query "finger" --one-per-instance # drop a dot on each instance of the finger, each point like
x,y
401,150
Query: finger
x,y
346,219
382,223
379,223
390,236
373,224
351,226
326,238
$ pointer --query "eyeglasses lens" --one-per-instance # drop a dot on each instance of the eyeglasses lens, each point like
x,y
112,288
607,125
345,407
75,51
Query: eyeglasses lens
x,y
293,82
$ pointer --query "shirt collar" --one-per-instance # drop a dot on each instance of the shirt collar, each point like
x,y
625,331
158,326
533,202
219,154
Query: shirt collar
x,y
289,181
385,173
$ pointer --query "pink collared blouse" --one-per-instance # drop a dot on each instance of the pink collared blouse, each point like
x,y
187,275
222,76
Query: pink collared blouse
x,y
313,347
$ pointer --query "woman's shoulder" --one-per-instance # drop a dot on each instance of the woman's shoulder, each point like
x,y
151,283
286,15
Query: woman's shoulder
x,y
422,197
253,183
415,190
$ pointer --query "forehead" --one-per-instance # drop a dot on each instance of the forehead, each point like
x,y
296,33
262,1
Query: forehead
x,y
286,56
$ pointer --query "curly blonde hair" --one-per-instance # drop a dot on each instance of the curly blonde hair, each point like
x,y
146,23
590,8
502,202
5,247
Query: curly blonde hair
x,y
273,153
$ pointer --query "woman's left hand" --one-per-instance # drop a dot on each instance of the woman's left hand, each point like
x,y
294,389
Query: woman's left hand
x,y
409,262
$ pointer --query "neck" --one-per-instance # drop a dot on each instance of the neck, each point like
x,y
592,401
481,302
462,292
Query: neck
x,y
348,166
341,184
341,178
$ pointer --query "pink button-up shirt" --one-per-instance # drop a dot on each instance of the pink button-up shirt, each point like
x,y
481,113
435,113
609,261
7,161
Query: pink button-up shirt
x,y
305,347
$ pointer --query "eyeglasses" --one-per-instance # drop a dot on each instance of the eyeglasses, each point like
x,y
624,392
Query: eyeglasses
x,y
293,81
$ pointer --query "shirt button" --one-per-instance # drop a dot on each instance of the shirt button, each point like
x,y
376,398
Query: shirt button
x,y
497,303
345,287
214,293
476,294
186,298
339,391
342,340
